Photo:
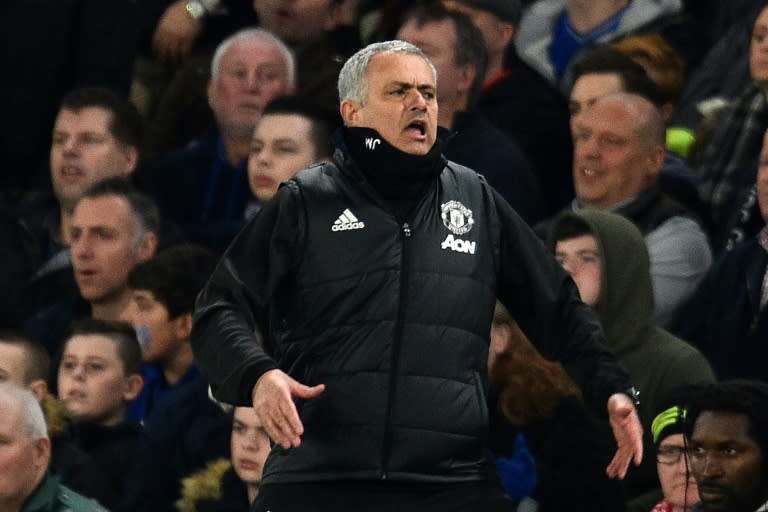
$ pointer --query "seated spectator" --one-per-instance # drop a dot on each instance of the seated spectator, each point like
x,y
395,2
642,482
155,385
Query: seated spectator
x,y
606,256
570,446
204,187
27,364
519,102
164,290
230,486
730,160
618,154
727,431
679,487
292,134
113,228
97,134
552,32
727,317
318,34
187,430
74,44
99,374
663,65
27,484
605,70
456,48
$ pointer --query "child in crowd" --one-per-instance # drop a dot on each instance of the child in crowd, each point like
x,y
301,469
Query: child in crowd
x,y
230,485
99,374
164,290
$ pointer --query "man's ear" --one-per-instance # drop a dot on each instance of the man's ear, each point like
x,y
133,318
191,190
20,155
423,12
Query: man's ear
x,y
131,154
210,93
182,326
467,75
656,161
42,453
350,113
147,246
133,386
39,388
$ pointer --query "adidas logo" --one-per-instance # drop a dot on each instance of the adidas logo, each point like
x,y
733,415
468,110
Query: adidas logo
x,y
347,221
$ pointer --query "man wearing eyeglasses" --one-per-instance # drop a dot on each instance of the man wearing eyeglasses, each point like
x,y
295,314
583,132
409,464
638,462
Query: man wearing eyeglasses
x,y
727,431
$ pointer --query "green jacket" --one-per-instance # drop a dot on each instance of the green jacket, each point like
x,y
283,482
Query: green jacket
x,y
52,496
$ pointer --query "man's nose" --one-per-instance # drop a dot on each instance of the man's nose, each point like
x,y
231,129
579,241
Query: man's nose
x,y
417,100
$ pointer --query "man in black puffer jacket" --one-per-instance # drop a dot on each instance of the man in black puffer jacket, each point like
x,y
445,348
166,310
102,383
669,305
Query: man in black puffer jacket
x,y
373,280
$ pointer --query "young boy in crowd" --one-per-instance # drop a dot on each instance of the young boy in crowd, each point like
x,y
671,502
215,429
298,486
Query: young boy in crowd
x,y
99,374
164,290
292,134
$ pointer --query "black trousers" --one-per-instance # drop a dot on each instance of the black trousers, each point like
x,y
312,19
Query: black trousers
x,y
381,497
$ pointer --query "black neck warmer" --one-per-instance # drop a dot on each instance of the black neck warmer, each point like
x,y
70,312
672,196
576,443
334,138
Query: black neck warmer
x,y
395,175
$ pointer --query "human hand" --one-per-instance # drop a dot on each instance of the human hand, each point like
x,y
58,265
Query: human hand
x,y
628,432
175,32
273,402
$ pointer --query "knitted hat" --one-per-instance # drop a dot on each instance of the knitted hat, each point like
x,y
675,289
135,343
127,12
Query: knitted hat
x,y
669,421
507,10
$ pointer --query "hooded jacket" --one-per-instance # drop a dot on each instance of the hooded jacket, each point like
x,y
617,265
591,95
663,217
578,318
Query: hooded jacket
x,y
657,361
535,33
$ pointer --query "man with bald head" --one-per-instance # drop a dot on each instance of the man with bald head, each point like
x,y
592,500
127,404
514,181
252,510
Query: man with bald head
x,y
618,155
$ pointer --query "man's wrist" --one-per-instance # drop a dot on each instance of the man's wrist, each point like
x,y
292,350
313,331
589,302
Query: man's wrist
x,y
633,394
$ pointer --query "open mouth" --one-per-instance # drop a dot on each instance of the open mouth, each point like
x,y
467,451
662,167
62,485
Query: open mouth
x,y
417,128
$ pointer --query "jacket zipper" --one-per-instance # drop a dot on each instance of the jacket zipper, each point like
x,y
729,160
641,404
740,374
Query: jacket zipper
x,y
395,361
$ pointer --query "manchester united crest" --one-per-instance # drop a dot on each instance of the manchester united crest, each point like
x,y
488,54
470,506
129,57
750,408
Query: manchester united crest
x,y
456,217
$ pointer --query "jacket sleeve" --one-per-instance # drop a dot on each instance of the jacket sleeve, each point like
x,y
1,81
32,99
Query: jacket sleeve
x,y
545,302
229,312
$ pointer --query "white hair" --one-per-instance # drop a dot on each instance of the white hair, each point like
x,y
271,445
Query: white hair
x,y
250,35
32,414
353,79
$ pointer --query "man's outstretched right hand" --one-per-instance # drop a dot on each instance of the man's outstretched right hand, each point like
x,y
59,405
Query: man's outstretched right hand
x,y
273,402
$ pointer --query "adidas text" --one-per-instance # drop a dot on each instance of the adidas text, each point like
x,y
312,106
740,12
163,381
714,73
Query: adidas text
x,y
347,221
458,245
